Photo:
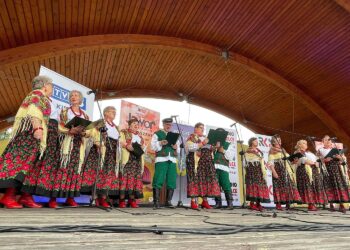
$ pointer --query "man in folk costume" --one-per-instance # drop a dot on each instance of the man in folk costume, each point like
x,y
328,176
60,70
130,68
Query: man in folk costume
x,y
222,156
28,141
107,178
165,168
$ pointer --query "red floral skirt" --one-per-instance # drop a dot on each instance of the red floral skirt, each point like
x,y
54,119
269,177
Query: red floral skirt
x,y
130,179
256,187
203,183
336,186
108,182
67,182
40,179
284,189
310,192
18,159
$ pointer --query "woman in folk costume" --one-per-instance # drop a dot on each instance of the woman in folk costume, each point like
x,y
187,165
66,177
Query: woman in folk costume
x,y
28,141
309,180
285,189
72,152
131,169
201,175
41,179
257,191
107,178
337,185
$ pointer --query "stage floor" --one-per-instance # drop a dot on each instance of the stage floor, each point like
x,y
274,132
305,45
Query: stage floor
x,y
244,229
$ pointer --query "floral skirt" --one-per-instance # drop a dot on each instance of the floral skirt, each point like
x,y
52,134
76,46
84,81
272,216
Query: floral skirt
x,y
202,183
40,179
256,187
285,191
107,180
67,181
18,159
311,192
337,188
130,179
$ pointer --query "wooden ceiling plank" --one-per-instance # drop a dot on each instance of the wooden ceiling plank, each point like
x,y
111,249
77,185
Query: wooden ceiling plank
x,y
92,17
7,36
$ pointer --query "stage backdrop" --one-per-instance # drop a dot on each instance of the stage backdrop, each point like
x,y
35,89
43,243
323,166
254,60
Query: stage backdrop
x,y
234,172
149,123
264,146
62,87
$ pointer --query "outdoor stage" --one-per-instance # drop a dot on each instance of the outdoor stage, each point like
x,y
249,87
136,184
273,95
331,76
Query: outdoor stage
x,y
244,229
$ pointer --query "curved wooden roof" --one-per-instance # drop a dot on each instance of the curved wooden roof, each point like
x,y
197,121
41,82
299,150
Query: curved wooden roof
x,y
288,65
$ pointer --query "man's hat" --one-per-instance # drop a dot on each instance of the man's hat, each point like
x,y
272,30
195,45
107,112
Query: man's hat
x,y
167,120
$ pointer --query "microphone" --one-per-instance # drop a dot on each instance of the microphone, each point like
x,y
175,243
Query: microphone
x,y
233,124
173,116
91,92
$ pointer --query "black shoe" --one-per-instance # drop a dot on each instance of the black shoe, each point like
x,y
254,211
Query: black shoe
x,y
229,200
218,203
169,197
156,195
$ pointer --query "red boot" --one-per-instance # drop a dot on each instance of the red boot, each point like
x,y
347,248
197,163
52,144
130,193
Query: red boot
x,y
205,204
102,203
27,201
259,207
194,205
71,202
133,203
9,199
252,206
312,207
342,209
279,207
122,204
53,203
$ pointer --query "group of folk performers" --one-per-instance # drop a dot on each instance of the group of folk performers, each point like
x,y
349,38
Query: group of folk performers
x,y
46,158
302,178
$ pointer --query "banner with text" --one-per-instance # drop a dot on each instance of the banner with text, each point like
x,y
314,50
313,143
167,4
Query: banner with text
x,y
264,146
61,89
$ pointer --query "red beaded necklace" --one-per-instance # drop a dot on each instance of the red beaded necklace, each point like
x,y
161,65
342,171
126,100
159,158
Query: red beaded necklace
x,y
80,112
110,124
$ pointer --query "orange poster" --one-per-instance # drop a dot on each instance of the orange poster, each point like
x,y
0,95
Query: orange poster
x,y
149,123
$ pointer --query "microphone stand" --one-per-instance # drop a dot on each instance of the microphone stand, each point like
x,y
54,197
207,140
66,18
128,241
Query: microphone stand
x,y
180,203
243,159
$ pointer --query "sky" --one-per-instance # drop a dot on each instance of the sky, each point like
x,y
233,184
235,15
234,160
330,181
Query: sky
x,y
187,113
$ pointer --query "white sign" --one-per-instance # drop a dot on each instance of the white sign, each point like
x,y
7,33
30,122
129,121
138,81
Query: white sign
x,y
264,146
61,89
234,173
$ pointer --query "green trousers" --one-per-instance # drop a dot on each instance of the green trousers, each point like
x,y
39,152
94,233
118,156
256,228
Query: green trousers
x,y
165,171
224,180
